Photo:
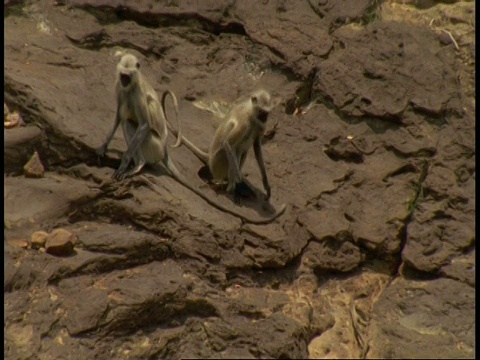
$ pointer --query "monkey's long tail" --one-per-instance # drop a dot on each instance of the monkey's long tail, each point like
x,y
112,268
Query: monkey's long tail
x,y
175,106
202,155
177,176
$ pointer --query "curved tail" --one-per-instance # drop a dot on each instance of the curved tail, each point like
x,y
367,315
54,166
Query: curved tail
x,y
177,176
202,155
178,133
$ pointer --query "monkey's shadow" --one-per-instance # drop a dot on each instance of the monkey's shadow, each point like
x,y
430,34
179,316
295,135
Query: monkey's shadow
x,y
245,195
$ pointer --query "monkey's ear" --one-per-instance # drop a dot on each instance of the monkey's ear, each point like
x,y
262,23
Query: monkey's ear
x,y
137,65
118,54
254,99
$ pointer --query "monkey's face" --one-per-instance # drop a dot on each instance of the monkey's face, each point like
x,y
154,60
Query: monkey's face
x,y
128,76
125,79
127,70
262,104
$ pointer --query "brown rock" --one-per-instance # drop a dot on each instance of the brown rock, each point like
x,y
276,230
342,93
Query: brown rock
x,y
12,119
21,243
332,255
38,239
395,332
60,242
34,167
20,143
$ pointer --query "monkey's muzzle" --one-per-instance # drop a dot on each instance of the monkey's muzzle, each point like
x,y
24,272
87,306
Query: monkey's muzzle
x,y
262,116
125,79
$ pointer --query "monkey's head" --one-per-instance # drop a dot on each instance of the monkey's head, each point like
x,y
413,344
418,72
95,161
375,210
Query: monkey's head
x,y
263,103
128,70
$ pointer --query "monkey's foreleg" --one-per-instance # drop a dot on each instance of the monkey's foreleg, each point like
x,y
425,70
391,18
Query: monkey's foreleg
x,y
235,179
102,149
134,145
257,148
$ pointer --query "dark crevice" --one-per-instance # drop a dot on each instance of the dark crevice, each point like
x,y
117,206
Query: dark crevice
x,y
153,314
409,272
13,8
264,277
407,168
392,120
112,15
418,196
431,114
426,152
110,263
304,94
347,156
65,64
331,274
371,12
154,51
108,211
372,75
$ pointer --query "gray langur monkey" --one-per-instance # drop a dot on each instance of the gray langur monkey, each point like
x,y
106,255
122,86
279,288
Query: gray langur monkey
x,y
144,125
242,128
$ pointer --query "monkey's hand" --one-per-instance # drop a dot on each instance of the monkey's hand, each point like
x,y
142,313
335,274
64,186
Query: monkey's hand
x,y
268,191
101,150
243,191
266,186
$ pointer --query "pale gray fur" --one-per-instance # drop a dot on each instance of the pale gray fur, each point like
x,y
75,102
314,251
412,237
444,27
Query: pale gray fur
x,y
144,125
242,128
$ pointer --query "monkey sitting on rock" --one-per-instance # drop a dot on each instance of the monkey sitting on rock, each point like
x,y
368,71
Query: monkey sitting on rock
x,y
144,125
242,128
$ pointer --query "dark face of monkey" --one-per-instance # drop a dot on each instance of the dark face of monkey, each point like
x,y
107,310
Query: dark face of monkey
x,y
128,68
262,115
261,102
125,80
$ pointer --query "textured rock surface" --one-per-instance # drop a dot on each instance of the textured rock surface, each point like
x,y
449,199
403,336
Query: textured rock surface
x,y
373,148
34,167
60,242
38,239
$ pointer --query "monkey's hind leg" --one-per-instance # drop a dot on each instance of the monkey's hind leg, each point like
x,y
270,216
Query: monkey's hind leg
x,y
138,164
138,159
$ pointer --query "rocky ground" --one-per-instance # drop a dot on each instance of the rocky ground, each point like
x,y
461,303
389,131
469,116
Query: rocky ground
x,y
372,150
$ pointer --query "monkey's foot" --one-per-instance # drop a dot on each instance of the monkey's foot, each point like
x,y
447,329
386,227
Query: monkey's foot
x,y
218,186
205,174
101,150
135,170
243,191
118,175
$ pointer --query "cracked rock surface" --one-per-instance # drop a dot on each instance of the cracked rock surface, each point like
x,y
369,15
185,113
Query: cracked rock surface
x,y
372,148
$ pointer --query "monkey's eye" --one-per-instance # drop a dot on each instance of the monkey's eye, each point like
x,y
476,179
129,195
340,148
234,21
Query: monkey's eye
x,y
137,65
